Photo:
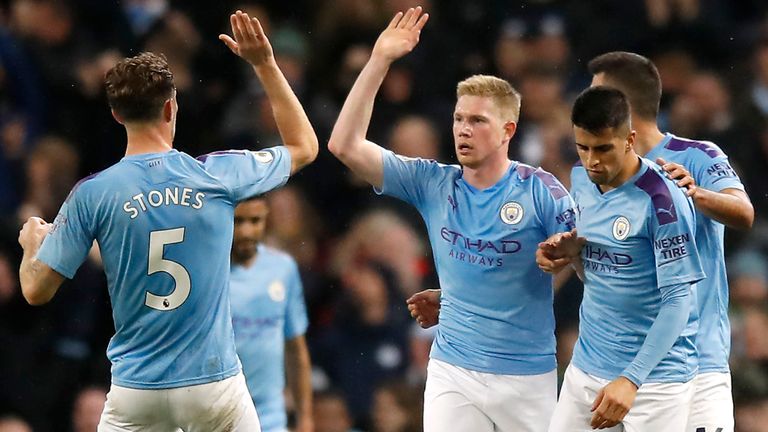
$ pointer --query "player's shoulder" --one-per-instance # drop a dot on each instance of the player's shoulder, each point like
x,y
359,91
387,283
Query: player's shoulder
x,y
693,149
276,255
660,193
430,164
94,182
541,178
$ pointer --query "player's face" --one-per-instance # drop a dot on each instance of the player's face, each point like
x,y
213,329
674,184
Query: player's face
x,y
250,224
605,156
479,132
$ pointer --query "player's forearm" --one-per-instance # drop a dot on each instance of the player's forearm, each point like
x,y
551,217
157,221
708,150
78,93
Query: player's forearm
x,y
733,209
352,125
299,376
295,129
34,286
667,327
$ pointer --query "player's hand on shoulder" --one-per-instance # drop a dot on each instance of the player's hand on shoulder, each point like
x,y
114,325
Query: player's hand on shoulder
x,y
613,403
401,35
248,39
678,172
424,307
33,233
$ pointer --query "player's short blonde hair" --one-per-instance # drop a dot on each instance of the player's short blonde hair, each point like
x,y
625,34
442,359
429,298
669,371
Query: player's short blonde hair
x,y
504,95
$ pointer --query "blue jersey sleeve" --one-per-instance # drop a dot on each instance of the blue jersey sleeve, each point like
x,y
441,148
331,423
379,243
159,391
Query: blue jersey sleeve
x,y
673,314
715,173
409,179
247,173
673,229
554,204
296,310
69,241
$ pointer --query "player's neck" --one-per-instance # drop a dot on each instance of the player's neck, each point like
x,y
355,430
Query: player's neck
x,y
648,136
245,261
630,168
148,138
487,174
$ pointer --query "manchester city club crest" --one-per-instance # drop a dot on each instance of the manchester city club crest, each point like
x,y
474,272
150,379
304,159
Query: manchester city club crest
x,y
263,156
276,291
511,213
621,228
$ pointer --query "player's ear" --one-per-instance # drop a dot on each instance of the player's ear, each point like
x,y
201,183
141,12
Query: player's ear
x,y
631,139
168,110
117,117
510,128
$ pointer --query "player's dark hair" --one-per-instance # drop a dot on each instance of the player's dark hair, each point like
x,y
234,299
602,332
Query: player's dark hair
x,y
633,74
137,87
599,108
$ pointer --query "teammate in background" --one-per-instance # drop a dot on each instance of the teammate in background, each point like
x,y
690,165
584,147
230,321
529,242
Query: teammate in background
x,y
270,320
718,194
639,266
492,364
164,224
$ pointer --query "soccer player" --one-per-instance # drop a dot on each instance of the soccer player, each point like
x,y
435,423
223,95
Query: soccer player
x,y
639,267
718,194
164,223
270,320
492,364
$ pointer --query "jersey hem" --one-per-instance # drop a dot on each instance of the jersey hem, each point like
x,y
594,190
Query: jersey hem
x,y
175,384
496,371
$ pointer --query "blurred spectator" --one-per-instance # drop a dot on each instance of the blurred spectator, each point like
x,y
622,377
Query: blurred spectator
x,y
397,407
51,171
415,136
420,344
367,342
331,413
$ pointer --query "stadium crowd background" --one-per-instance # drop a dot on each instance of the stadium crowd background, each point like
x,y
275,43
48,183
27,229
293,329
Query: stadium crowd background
x,y
360,255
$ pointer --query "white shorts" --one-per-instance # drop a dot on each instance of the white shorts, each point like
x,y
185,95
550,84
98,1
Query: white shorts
x,y
712,405
461,400
658,407
222,406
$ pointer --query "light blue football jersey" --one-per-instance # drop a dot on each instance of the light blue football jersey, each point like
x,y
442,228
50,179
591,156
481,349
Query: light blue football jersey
x,y
267,309
496,308
164,223
710,168
640,239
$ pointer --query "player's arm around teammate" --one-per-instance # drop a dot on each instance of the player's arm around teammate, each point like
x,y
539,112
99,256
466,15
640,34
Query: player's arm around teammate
x,y
731,207
249,42
348,142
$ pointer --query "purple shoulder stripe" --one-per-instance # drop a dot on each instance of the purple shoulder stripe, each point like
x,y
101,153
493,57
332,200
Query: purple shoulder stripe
x,y
555,188
652,184
203,158
525,171
77,185
578,163
677,144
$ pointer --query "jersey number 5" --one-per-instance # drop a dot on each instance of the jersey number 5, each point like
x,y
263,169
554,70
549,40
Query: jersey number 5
x,y
180,275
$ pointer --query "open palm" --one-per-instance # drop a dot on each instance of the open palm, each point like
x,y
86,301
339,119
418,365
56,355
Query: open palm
x,y
248,39
401,35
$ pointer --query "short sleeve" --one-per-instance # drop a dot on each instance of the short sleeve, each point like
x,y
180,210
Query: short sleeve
x,y
248,173
716,173
296,321
409,179
674,245
554,203
67,244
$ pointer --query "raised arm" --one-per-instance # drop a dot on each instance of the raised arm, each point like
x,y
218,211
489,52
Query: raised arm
x,y
347,140
252,45
39,282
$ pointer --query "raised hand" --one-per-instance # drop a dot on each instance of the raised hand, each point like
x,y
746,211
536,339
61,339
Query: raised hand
x,y
678,172
249,41
424,307
401,35
33,233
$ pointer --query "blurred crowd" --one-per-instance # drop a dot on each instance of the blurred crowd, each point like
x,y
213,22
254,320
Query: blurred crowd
x,y
360,255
